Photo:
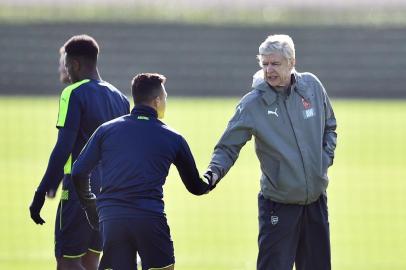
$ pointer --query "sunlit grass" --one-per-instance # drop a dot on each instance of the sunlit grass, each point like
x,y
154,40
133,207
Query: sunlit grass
x,y
219,231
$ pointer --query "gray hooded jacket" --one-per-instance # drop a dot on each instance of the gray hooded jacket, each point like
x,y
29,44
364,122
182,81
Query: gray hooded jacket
x,y
294,135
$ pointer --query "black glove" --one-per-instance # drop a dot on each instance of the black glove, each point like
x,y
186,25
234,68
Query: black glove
x,y
212,179
89,205
36,205
87,199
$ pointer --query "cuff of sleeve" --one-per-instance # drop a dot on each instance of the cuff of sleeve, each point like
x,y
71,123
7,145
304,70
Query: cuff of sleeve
x,y
216,170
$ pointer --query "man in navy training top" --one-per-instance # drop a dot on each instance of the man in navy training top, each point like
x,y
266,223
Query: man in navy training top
x,y
136,152
84,105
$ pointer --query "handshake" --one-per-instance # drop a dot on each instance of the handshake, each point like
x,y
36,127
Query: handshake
x,y
211,179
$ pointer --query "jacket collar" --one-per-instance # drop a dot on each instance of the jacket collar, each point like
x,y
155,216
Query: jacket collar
x,y
301,86
270,95
144,111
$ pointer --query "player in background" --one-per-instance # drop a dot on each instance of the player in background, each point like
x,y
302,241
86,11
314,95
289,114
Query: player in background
x,y
84,105
64,78
136,151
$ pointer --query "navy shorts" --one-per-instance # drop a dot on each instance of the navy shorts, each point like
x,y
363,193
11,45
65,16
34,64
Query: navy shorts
x,y
290,233
123,238
73,235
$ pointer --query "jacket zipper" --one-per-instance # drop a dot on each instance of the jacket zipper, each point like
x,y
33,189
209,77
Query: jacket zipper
x,y
297,143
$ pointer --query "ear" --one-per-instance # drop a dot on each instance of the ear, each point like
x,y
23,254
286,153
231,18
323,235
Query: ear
x,y
76,64
156,102
292,63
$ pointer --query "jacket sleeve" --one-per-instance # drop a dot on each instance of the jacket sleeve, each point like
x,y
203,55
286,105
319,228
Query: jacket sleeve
x,y
330,135
86,161
238,132
60,154
185,163
68,124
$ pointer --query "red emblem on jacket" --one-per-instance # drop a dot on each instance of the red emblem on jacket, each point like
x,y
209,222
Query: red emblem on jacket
x,y
306,104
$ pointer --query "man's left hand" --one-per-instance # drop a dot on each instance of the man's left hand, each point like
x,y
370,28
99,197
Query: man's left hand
x,y
91,214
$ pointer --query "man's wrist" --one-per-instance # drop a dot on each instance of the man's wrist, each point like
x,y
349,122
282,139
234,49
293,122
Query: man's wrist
x,y
216,171
212,179
40,192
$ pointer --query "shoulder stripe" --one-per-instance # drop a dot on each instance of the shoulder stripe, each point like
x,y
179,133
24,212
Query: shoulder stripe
x,y
64,101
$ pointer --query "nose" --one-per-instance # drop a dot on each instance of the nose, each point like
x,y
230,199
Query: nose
x,y
269,68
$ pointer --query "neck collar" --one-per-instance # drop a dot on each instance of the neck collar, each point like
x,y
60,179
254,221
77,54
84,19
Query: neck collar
x,y
270,95
144,110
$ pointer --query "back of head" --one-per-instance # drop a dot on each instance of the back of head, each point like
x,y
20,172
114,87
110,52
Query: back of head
x,y
82,47
282,44
145,87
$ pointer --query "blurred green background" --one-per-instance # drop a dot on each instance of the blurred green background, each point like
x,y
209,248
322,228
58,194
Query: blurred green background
x,y
219,231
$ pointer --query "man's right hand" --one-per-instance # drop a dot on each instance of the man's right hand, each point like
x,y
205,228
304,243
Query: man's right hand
x,y
212,179
36,206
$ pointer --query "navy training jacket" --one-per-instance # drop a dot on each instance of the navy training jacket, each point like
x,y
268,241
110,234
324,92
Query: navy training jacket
x,y
135,153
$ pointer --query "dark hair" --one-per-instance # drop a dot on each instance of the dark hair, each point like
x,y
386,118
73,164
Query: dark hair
x,y
82,46
146,86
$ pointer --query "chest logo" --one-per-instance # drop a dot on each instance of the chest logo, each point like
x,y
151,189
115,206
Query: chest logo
x,y
273,112
306,104
309,113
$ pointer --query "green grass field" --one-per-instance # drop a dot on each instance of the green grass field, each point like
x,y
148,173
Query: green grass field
x,y
219,231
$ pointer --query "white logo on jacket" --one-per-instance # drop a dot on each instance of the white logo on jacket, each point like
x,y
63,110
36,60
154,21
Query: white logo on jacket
x,y
309,113
274,220
273,112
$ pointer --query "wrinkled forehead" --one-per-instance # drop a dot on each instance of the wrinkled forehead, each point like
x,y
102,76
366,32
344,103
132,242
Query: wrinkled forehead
x,y
272,57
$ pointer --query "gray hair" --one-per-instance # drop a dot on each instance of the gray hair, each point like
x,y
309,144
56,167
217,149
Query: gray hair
x,y
282,44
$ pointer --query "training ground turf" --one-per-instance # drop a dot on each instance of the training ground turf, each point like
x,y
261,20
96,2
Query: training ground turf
x,y
219,231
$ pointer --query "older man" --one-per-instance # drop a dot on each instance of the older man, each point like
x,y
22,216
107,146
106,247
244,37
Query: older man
x,y
291,118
